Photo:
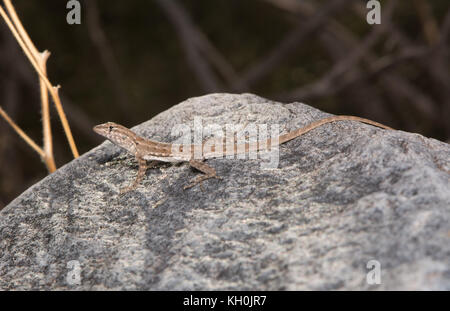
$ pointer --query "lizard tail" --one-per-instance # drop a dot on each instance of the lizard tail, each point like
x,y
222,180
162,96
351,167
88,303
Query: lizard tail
x,y
296,133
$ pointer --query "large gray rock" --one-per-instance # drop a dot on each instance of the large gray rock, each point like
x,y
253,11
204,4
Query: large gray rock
x,y
343,194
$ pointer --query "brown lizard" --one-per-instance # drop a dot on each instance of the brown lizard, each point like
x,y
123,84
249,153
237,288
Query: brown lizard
x,y
149,150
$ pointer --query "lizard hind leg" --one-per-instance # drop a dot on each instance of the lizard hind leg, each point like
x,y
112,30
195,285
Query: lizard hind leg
x,y
204,168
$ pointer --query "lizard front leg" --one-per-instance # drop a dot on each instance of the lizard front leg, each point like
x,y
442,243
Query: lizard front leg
x,y
204,168
143,166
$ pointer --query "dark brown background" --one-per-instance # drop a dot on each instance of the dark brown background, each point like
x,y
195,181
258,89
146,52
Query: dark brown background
x,y
129,60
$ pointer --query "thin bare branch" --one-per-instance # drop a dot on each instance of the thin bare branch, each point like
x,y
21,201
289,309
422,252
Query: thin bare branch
x,y
20,29
41,60
104,49
178,17
80,120
394,84
327,83
288,45
53,90
21,133
204,45
46,126
214,56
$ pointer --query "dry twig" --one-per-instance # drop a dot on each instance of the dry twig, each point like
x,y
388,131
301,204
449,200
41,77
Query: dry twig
x,y
38,60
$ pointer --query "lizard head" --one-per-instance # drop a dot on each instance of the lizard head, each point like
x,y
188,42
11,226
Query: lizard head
x,y
118,134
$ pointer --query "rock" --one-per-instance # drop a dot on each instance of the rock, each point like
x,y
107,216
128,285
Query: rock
x,y
346,201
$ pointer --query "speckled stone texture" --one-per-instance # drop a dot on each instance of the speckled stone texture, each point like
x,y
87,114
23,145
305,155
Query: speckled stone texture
x,y
343,194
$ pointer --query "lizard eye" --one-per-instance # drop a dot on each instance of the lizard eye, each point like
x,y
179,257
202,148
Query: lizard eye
x,y
110,128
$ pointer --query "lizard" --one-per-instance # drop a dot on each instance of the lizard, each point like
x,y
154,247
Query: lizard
x,y
150,150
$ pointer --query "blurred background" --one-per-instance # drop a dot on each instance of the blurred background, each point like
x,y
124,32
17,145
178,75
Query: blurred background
x,y
129,60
